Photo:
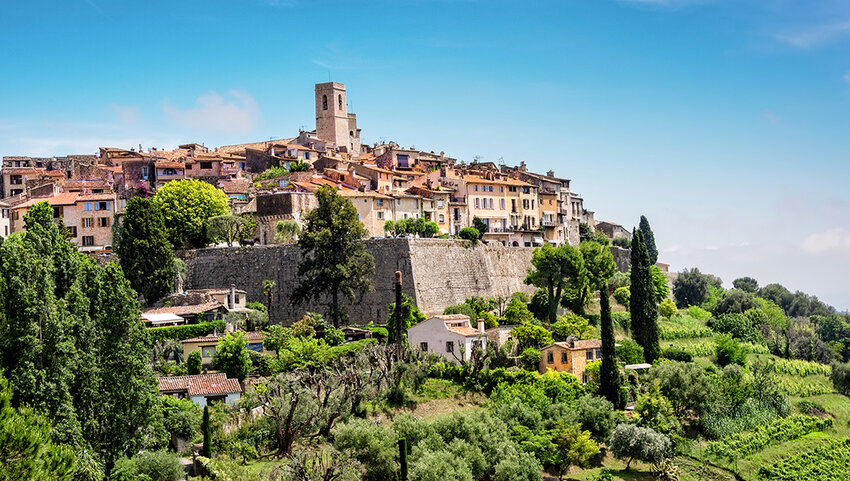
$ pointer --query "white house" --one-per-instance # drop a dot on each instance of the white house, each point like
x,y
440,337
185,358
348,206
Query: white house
x,y
448,335
202,389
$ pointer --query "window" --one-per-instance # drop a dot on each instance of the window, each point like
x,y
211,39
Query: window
x,y
208,351
526,190
87,222
87,206
88,240
403,160
501,203
339,101
103,221
476,202
308,155
512,188
476,188
398,202
598,354
550,357
5,213
324,102
379,202
71,230
169,172
255,346
450,346
379,215
405,215
16,191
15,180
491,188
144,172
57,212
532,203
423,346
442,218
564,358
590,355
491,202
501,188
440,203
206,165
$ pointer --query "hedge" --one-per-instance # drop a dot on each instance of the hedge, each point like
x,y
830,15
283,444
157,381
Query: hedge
x,y
156,334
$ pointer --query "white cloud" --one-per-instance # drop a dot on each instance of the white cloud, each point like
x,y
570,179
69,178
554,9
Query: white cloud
x,y
815,36
830,242
125,114
238,113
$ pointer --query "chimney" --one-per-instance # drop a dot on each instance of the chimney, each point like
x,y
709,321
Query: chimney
x,y
551,173
481,325
232,300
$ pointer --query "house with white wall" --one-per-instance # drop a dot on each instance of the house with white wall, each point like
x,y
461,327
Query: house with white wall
x,y
451,336
202,389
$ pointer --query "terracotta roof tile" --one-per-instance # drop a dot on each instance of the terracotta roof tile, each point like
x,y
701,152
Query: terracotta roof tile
x,y
250,335
186,310
466,331
200,384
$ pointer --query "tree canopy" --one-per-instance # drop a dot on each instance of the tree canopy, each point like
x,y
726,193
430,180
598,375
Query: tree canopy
x,y
71,342
642,305
649,240
187,206
553,267
145,252
334,260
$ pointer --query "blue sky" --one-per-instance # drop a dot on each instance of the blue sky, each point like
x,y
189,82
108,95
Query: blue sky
x,y
725,122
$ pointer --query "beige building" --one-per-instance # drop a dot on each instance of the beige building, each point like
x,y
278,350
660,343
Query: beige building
x,y
207,345
88,217
373,209
334,124
570,356
5,225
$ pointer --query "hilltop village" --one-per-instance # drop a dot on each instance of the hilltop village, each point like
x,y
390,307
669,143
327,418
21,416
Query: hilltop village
x,y
274,180
319,308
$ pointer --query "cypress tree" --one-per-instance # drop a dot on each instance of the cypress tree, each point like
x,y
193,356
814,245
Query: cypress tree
x,y
206,451
144,250
644,311
649,240
609,373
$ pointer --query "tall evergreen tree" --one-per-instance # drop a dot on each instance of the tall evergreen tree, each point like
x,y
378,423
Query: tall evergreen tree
x,y
206,429
649,240
145,252
600,266
71,342
644,311
335,261
554,267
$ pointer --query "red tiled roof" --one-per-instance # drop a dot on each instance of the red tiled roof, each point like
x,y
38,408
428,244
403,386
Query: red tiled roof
x,y
236,186
452,317
466,331
186,310
22,170
200,384
62,198
250,335
169,165
578,345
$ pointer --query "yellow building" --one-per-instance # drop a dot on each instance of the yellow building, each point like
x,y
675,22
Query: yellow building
x,y
373,209
570,356
207,345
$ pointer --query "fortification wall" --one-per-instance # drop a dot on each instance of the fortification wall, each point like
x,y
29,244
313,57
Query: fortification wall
x,y
436,272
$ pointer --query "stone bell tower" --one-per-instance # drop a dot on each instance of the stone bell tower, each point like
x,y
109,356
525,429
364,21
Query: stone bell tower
x,y
333,122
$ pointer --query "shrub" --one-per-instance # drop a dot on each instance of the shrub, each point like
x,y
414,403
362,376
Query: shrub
x,y
470,234
630,352
517,312
841,377
622,295
257,306
372,445
572,325
736,301
529,359
530,335
632,442
685,385
729,351
667,308
159,466
595,414
623,242
464,309
699,313
439,465
622,319
188,331
737,325
810,408
194,362
674,354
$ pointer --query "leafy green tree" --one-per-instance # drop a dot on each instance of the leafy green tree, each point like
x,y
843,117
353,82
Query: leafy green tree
x,y
630,352
335,262
517,312
159,466
572,325
632,442
389,228
729,351
470,234
72,343
26,448
840,377
145,252
410,316
227,228
622,296
187,206
286,231
194,362
667,308
654,410
529,335
649,240
659,283
692,288
180,418
643,309
686,386
735,301
430,229
539,304
231,356
777,293
464,309
277,338
746,284
553,267
268,291
573,447
480,225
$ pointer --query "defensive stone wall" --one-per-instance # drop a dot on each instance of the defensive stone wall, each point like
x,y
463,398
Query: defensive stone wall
x,y
436,273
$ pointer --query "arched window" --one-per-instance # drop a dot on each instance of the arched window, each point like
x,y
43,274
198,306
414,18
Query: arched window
x,y
340,102
324,102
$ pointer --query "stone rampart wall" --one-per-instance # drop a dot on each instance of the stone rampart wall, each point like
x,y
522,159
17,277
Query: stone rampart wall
x,y
436,273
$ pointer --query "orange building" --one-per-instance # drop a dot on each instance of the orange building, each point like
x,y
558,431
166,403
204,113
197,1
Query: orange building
x,y
570,356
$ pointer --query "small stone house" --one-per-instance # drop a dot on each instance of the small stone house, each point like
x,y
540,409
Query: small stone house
x,y
202,389
207,345
570,356
451,336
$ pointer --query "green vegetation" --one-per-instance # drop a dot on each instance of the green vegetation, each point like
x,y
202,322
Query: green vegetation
x,y
827,462
145,252
187,331
335,262
739,445
286,231
186,206
642,304
649,240
231,228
